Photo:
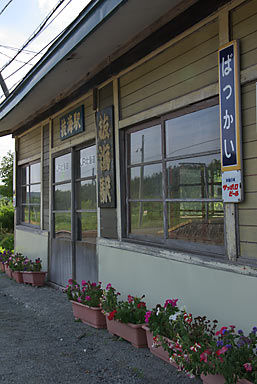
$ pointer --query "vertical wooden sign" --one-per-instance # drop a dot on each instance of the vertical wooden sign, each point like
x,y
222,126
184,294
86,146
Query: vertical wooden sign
x,y
105,158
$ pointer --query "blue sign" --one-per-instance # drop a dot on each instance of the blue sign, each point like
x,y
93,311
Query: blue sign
x,y
229,107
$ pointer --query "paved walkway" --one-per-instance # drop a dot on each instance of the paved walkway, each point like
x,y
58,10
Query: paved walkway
x,y
41,343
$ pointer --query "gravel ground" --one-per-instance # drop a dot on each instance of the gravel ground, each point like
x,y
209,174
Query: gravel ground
x,y
42,343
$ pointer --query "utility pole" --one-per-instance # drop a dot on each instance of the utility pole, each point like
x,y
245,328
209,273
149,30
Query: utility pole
x,y
3,86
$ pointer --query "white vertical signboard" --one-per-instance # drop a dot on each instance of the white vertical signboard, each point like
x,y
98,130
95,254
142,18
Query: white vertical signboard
x,y
230,123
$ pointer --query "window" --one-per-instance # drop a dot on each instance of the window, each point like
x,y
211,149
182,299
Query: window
x,y
30,194
62,197
174,181
81,209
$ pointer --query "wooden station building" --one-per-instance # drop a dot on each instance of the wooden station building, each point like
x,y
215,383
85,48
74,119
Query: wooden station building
x,y
121,146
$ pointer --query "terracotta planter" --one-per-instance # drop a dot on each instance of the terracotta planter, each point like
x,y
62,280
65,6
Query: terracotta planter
x,y
18,276
36,279
134,333
218,379
8,271
2,268
157,351
92,316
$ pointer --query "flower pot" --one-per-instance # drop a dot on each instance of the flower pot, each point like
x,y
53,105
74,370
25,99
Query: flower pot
x,y
219,379
36,279
8,271
2,268
134,333
18,276
157,351
92,316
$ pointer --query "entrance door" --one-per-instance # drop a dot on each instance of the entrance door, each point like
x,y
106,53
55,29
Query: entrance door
x,y
74,230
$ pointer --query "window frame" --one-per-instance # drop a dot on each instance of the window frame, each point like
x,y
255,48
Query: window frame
x,y
175,244
26,185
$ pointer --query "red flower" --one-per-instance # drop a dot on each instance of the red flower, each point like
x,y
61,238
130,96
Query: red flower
x,y
222,350
220,332
112,315
130,298
141,305
204,355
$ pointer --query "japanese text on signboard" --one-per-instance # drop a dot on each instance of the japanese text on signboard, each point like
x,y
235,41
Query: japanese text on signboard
x,y
229,107
105,157
72,123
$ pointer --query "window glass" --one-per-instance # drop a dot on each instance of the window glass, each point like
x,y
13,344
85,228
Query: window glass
x,y
35,215
25,195
196,222
197,177
146,182
87,160
86,194
35,173
62,168
87,226
35,194
62,225
25,214
62,197
193,133
146,219
145,145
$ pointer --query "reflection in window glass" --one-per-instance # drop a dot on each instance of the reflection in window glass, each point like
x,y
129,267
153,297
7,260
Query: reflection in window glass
x,y
197,177
86,194
145,145
146,182
35,215
87,162
25,195
25,214
87,226
35,173
62,168
62,197
196,222
193,133
62,225
35,194
25,175
146,219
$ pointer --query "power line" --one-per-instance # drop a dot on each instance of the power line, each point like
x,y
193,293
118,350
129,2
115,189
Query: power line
x,y
34,34
18,61
28,51
5,7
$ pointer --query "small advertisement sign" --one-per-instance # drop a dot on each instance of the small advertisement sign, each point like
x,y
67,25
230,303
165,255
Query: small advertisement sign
x,y
232,187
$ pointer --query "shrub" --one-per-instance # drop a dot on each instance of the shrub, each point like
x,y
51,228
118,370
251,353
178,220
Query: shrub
x,y
7,241
7,216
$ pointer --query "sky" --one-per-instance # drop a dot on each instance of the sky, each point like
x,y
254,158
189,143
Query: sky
x,y
17,24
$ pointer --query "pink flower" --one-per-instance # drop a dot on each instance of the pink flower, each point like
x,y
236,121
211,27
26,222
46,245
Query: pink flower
x,y
204,355
222,350
221,331
248,367
70,281
173,302
147,316
108,286
79,299
87,298
93,284
130,298
83,282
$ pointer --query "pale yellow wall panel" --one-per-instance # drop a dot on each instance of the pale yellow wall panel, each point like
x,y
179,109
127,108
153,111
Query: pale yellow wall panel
x,y
250,198
30,144
248,250
246,27
188,43
247,217
196,82
250,167
249,116
250,185
250,150
200,53
243,11
248,233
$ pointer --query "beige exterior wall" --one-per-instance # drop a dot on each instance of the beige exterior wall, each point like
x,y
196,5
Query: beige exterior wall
x,y
30,144
212,291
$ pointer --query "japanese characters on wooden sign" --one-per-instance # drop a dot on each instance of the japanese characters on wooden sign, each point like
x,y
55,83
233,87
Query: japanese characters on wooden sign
x,y
232,186
229,107
230,122
72,123
105,158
